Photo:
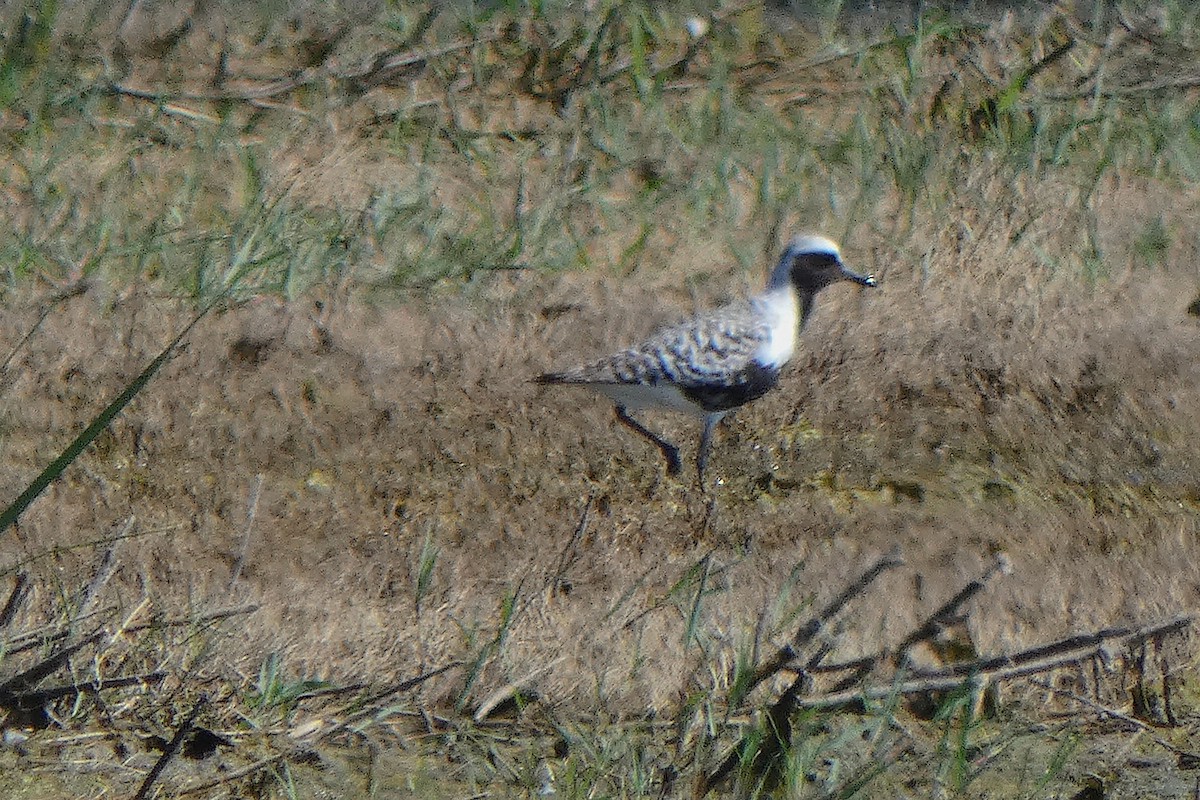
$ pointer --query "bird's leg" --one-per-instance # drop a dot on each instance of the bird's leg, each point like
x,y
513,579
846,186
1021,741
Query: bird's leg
x,y
669,451
710,424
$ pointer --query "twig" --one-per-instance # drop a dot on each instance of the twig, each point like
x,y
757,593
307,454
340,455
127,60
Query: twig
x,y
381,64
570,554
251,515
74,290
104,571
229,777
1000,668
331,691
811,628
43,696
45,635
1112,713
505,692
210,617
124,624
19,591
171,749
1127,90
23,681
1069,644
404,686
933,623
321,729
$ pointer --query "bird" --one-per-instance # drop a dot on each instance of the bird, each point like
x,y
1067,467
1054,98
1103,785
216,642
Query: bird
x,y
721,359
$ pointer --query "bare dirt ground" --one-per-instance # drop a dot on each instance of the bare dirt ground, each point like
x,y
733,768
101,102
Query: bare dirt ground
x,y
372,482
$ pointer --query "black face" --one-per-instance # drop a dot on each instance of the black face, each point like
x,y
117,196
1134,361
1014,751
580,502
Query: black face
x,y
812,272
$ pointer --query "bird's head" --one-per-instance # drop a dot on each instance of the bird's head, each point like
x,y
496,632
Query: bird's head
x,y
810,263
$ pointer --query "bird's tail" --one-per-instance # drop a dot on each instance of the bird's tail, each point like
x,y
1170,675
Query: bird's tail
x,y
551,378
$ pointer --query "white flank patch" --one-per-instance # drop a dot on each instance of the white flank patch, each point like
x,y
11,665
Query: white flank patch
x,y
781,312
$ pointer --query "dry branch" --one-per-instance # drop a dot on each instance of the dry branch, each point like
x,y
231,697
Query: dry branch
x,y
767,756
23,681
402,686
1112,713
381,68
1055,651
1128,90
851,692
570,552
810,629
232,776
511,690
1006,667
358,709
18,594
171,749
43,696
104,571
251,516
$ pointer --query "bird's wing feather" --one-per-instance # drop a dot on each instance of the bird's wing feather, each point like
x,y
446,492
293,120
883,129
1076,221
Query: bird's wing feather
x,y
711,350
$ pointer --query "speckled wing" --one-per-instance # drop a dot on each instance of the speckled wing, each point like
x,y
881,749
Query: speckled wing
x,y
710,358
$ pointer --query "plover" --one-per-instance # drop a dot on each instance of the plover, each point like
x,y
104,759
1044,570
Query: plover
x,y
719,360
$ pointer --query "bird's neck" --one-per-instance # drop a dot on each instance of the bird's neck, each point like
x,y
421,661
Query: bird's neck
x,y
781,281
788,301
805,299
780,311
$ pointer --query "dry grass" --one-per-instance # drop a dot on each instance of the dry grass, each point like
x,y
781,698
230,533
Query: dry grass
x,y
352,444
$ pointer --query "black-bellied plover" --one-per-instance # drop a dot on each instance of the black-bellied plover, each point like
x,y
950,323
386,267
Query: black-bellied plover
x,y
717,361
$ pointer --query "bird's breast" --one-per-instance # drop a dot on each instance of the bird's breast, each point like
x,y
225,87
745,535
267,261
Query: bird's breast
x,y
751,383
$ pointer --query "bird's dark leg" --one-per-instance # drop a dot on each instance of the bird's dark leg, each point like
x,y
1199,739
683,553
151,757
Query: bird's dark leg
x,y
710,424
669,451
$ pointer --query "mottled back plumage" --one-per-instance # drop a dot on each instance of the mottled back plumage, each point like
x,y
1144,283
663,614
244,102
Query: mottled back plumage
x,y
709,352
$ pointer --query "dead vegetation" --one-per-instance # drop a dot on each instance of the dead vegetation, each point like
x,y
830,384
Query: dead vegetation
x,y
402,221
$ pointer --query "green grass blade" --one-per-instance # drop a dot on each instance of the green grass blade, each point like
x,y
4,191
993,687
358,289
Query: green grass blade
x,y
72,451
